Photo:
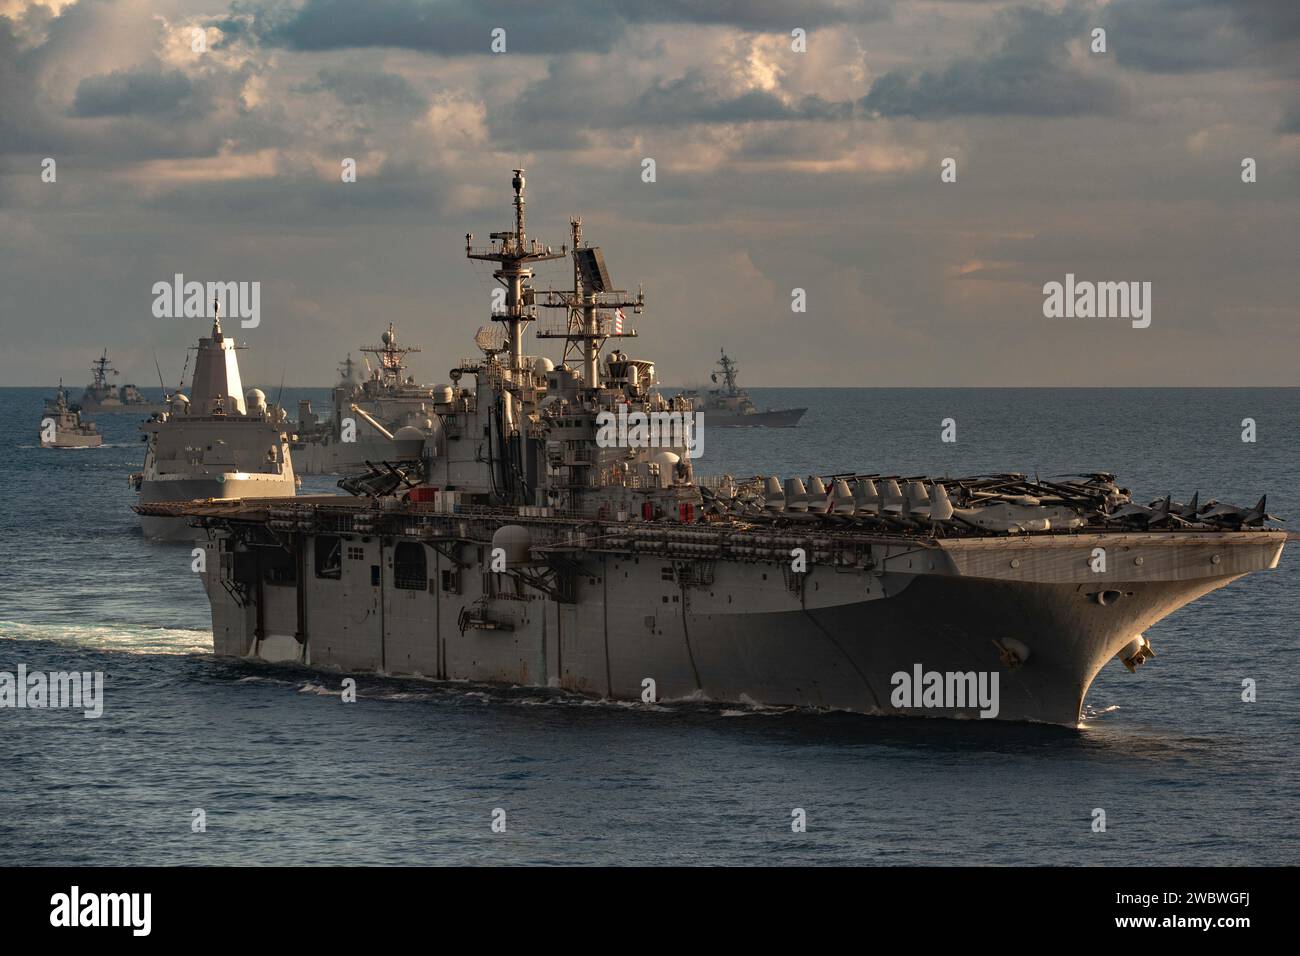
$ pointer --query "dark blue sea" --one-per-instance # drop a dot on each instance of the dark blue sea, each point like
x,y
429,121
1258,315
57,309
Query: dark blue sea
x,y
411,774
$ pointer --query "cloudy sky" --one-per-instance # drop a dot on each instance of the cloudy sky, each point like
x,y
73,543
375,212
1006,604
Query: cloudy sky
x,y
776,169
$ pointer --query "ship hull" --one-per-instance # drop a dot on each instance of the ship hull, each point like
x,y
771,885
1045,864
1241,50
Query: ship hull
x,y
139,408
777,418
65,440
203,487
637,625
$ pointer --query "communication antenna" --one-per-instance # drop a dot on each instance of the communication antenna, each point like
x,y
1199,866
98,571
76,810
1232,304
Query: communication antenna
x,y
184,368
161,383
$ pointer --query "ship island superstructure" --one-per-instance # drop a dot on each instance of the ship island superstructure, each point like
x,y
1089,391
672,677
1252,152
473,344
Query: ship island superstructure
x,y
216,443
517,544
367,414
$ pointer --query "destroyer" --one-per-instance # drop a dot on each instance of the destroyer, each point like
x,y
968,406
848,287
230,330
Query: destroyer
x,y
101,396
62,427
217,443
511,547
729,405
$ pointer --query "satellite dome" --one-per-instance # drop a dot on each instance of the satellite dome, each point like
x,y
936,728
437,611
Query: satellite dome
x,y
543,365
389,338
255,398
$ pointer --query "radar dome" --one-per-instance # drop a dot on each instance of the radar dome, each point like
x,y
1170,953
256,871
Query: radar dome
x,y
667,461
543,365
408,442
255,398
389,337
515,541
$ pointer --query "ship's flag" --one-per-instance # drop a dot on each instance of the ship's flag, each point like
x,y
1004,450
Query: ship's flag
x,y
618,322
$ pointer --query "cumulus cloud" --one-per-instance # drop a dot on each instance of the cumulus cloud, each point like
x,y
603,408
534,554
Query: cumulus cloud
x,y
134,93
1187,36
776,169
560,26
1029,74
373,89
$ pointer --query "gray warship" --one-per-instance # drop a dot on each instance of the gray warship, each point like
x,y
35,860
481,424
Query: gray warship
x,y
101,396
520,545
729,405
62,427
368,416
216,443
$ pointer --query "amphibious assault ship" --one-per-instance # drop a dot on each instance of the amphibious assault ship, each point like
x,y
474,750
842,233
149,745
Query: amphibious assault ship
x,y
520,544
62,427
216,443
729,405
368,416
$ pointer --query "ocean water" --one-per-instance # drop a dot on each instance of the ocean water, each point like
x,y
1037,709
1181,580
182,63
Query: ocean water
x,y
411,774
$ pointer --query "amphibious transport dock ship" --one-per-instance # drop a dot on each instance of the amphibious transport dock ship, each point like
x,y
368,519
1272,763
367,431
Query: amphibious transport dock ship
x,y
216,443
519,544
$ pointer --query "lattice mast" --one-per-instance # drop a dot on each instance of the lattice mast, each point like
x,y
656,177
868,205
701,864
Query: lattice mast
x,y
729,370
592,308
390,356
100,370
515,254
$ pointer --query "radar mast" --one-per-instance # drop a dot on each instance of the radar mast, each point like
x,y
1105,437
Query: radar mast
x,y
515,255
595,308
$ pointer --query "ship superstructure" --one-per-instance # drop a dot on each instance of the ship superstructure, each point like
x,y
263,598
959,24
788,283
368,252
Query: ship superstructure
x,y
366,413
729,405
534,539
216,443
